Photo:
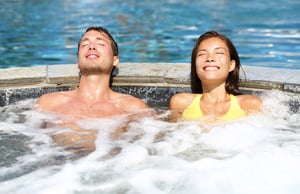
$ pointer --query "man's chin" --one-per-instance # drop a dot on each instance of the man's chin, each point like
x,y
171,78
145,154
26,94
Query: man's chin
x,y
89,71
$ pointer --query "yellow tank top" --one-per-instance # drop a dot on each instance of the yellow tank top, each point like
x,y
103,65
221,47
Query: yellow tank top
x,y
193,111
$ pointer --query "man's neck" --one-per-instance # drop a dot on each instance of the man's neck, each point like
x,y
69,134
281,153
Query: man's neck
x,y
94,87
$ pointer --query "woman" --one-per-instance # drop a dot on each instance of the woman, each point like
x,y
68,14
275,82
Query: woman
x,y
215,96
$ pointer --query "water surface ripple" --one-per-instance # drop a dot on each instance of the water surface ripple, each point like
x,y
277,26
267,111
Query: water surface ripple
x,y
46,32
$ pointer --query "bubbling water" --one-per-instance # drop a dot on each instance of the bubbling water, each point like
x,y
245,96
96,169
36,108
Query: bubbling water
x,y
257,154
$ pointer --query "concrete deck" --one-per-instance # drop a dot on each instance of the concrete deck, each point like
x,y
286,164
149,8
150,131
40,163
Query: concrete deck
x,y
138,79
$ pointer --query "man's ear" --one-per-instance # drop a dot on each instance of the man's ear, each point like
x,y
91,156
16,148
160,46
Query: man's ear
x,y
232,65
116,61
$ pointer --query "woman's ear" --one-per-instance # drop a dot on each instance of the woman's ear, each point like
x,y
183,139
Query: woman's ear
x,y
232,65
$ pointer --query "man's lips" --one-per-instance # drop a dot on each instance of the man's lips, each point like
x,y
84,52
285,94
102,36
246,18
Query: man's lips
x,y
211,68
92,56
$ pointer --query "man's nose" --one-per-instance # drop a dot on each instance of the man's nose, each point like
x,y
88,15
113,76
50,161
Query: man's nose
x,y
92,46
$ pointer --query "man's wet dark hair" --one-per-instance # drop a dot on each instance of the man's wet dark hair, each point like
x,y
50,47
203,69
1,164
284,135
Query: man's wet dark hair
x,y
100,29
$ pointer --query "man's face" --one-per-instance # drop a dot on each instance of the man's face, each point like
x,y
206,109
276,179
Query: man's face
x,y
95,54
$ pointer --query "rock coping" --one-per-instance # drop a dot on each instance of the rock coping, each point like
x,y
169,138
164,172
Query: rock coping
x,y
150,75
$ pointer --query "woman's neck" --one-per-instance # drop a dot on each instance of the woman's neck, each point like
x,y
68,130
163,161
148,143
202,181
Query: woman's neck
x,y
215,93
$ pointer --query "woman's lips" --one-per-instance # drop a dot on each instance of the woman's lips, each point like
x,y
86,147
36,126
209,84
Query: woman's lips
x,y
211,68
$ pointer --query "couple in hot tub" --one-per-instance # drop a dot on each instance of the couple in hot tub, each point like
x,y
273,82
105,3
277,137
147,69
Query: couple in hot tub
x,y
215,96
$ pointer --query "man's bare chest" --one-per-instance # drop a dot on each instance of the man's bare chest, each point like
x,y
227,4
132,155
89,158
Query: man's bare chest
x,y
92,110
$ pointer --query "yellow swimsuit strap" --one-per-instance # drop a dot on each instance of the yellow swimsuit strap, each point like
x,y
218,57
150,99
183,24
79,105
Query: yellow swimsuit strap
x,y
235,111
193,111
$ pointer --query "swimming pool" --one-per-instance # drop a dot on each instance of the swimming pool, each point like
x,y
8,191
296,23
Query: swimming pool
x,y
46,32
258,154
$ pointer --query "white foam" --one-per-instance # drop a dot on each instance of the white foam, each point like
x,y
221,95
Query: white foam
x,y
257,154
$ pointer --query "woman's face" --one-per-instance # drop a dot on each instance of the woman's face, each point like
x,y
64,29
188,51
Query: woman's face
x,y
213,60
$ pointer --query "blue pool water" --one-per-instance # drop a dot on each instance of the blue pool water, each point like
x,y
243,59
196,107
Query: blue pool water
x,y
266,33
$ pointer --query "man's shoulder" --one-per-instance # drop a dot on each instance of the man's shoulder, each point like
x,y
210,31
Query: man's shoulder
x,y
49,100
130,102
55,95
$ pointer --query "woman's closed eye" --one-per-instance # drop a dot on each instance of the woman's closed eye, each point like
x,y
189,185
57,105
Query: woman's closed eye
x,y
220,51
201,54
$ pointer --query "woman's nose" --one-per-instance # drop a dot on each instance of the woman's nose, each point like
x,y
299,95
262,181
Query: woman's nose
x,y
210,58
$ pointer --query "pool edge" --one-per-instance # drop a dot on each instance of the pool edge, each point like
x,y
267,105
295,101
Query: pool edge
x,y
144,80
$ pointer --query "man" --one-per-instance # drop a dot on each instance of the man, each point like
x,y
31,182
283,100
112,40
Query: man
x,y
97,56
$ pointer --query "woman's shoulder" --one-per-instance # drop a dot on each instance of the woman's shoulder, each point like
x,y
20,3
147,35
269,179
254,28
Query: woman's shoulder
x,y
181,101
249,102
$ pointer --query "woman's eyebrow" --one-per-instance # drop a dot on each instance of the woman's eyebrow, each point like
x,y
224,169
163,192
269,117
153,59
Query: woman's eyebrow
x,y
220,48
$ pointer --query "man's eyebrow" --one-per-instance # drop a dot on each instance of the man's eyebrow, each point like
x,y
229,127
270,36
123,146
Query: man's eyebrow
x,y
87,39
99,38
84,39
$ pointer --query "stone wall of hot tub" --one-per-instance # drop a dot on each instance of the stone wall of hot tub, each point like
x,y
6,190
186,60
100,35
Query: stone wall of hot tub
x,y
153,82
